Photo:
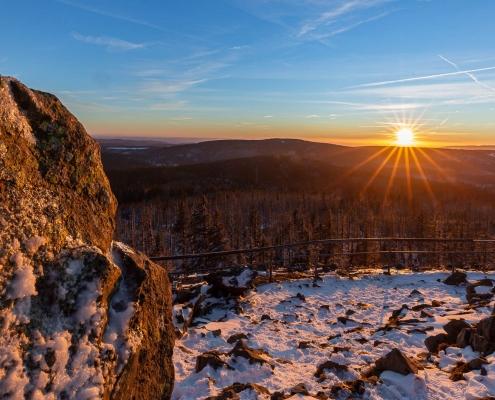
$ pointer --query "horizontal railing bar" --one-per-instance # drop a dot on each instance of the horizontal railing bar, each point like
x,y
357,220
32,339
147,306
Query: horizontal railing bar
x,y
312,242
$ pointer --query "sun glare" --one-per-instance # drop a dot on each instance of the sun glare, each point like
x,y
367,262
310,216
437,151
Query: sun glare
x,y
404,137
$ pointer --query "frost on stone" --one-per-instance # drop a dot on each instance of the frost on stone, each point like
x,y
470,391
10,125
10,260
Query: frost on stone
x,y
64,314
33,244
24,281
118,335
65,359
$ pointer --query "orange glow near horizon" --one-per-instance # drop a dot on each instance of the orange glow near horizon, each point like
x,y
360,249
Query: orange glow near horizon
x,y
405,156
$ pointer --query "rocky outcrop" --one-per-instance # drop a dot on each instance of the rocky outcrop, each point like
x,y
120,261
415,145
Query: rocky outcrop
x,y
79,317
52,184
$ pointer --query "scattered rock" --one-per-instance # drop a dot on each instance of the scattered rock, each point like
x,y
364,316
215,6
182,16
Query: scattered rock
x,y
474,296
461,368
212,359
236,337
241,349
356,387
304,345
233,283
420,307
320,371
453,328
300,388
464,337
401,312
483,339
336,336
300,296
486,328
344,320
421,330
183,296
397,362
433,343
232,392
340,349
455,279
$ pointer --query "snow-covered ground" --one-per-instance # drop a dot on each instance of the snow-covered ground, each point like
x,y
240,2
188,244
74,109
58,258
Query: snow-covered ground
x,y
297,326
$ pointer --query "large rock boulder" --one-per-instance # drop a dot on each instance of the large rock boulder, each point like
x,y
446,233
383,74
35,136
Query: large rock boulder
x,y
52,183
79,317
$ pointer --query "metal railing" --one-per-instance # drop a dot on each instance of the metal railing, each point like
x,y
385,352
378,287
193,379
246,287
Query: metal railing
x,y
476,250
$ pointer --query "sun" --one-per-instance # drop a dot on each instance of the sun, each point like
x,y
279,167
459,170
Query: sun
x,y
405,137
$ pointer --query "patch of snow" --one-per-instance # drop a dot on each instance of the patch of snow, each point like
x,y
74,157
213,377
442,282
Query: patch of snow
x,y
483,289
121,310
23,283
368,301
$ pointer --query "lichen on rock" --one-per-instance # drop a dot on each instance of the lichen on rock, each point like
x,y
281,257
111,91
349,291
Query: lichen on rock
x,y
76,312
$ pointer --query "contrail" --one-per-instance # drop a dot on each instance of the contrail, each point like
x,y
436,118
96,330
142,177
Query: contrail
x,y
469,74
422,78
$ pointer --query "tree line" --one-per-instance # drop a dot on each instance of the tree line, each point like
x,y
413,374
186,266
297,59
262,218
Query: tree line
x,y
231,219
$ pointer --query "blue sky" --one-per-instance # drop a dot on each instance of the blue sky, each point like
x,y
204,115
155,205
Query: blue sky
x,y
345,71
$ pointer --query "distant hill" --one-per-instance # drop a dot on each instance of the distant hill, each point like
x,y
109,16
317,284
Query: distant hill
x,y
474,167
482,147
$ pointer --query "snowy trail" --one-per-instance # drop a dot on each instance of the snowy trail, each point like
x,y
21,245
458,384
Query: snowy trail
x,y
298,327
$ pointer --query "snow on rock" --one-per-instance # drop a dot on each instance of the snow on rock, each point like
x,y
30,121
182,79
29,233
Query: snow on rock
x,y
329,336
77,320
23,283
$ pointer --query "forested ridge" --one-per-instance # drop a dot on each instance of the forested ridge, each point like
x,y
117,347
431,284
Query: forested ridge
x,y
258,201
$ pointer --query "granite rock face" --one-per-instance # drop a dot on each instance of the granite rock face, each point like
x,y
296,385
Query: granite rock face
x,y
80,317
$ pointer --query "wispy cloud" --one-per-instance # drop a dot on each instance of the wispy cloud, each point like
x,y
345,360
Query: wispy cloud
x,y
469,74
168,106
423,78
430,90
159,87
109,43
109,14
344,9
350,27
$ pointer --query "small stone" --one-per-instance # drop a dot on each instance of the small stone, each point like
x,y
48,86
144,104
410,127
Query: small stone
x,y
453,328
395,361
432,343
210,358
236,337
455,279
